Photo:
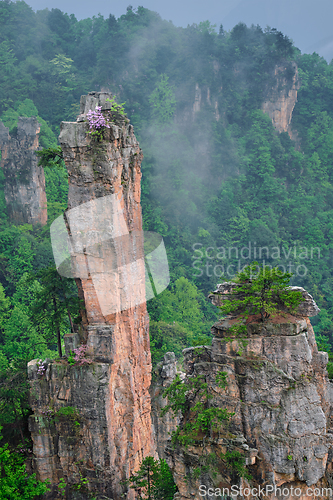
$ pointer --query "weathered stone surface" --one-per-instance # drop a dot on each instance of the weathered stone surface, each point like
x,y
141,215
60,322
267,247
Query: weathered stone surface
x,y
308,307
61,448
280,395
4,134
24,180
92,100
104,241
72,341
165,373
224,288
287,327
283,98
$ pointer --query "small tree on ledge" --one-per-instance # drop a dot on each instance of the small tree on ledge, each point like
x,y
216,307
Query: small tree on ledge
x,y
260,290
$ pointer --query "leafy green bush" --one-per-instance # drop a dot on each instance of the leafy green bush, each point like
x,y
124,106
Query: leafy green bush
x,y
67,412
201,421
15,483
235,461
153,481
262,291
116,108
192,398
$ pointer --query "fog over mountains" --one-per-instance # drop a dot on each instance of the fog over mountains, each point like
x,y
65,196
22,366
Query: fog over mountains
x,y
306,22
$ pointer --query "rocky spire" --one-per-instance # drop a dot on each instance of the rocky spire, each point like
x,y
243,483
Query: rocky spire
x,y
280,400
282,98
104,227
24,181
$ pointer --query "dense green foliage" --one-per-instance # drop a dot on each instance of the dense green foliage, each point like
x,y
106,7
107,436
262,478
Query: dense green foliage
x,y
217,177
55,301
260,291
193,399
153,480
179,319
15,484
202,421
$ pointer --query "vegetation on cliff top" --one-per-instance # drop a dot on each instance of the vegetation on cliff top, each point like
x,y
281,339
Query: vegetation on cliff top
x,y
260,291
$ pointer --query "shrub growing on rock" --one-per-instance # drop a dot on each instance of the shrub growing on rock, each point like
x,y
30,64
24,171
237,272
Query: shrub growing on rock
x,y
260,291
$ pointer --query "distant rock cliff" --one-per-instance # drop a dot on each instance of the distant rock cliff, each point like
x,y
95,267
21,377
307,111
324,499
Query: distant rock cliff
x,y
24,180
279,102
281,398
283,97
110,395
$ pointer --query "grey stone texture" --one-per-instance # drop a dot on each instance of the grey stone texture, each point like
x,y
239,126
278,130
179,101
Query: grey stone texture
x,y
24,185
164,374
281,397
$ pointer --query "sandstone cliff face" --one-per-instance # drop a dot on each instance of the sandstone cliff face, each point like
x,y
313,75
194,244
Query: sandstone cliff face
x,y
24,180
279,104
280,395
282,99
111,394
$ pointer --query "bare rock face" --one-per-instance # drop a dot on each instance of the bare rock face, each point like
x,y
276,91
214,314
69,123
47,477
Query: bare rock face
x,y
111,394
165,373
281,397
66,446
282,100
24,180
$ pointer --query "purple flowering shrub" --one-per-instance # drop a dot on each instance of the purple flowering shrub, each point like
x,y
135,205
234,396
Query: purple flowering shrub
x,y
48,413
80,353
41,368
78,356
25,448
98,121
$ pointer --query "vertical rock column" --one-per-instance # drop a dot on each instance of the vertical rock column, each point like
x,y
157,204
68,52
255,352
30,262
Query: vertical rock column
x,y
24,180
282,99
279,398
105,227
111,168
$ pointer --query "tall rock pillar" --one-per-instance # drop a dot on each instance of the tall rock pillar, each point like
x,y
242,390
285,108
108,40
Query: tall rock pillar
x,y
111,393
279,400
279,105
24,179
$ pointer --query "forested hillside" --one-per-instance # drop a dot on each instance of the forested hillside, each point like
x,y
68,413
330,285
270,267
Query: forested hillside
x,y
219,182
